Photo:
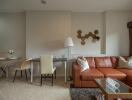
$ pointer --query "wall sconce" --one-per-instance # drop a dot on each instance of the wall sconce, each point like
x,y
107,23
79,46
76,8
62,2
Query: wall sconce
x,y
94,36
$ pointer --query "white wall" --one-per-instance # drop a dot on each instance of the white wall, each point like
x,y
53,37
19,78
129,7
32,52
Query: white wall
x,y
87,22
46,32
117,35
12,33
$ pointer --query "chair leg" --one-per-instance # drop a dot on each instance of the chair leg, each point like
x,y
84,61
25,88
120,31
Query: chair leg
x,y
44,77
3,70
26,75
52,78
55,74
21,73
15,75
29,72
41,79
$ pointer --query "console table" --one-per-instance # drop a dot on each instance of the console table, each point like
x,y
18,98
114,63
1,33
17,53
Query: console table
x,y
54,60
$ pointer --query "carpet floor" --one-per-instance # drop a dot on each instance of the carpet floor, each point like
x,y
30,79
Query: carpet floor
x,y
23,90
86,94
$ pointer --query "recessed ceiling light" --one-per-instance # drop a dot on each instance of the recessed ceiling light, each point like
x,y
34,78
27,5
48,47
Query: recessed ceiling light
x,y
43,2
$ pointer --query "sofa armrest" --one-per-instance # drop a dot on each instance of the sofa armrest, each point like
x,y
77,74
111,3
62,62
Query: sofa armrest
x,y
76,70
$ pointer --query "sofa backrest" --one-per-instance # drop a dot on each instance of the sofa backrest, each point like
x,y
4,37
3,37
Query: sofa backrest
x,y
114,60
103,62
91,62
106,61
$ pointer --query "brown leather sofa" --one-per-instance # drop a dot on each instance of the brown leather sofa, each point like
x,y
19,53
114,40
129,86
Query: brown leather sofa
x,y
100,67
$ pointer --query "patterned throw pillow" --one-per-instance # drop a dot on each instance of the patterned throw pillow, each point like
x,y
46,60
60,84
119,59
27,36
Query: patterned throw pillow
x,y
83,63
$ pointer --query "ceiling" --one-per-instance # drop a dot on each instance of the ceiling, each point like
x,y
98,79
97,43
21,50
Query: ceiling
x,y
65,5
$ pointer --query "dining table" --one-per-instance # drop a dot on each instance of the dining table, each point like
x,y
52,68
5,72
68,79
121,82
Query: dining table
x,y
6,62
54,60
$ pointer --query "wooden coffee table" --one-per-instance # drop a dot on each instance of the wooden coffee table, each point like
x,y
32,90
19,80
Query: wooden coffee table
x,y
124,91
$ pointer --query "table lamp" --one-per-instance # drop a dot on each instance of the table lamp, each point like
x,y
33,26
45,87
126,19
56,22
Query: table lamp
x,y
68,44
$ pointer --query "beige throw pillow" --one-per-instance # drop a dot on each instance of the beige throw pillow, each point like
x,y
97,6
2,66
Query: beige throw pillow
x,y
130,62
124,63
83,63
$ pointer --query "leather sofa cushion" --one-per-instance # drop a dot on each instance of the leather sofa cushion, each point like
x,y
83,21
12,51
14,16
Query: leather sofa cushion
x,y
111,72
90,74
128,72
103,62
114,61
91,62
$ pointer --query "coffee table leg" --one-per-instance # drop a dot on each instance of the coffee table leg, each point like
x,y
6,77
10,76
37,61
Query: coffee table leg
x,y
108,97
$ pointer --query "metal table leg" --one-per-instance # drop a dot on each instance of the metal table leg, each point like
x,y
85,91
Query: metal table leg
x,y
65,64
31,71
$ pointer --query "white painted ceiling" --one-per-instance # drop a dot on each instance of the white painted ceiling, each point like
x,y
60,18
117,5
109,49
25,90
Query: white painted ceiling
x,y
65,5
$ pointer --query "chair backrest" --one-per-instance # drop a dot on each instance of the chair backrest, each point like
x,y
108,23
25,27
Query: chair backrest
x,y
46,62
25,64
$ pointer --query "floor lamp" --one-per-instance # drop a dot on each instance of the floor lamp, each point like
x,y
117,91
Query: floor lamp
x,y
68,44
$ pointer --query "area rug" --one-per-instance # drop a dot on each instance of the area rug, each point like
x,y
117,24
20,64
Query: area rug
x,y
86,94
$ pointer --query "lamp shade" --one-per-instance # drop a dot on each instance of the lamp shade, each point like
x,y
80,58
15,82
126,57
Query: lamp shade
x,y
68,42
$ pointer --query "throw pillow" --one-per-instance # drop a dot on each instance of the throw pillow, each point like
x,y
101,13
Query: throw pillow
x,y
130,61
83,63
122,63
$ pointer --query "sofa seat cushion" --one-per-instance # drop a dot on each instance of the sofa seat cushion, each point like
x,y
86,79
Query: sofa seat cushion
x,y
90,74
111,72
128,72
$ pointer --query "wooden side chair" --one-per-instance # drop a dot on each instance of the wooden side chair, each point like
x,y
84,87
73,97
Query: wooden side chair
x,y
47,69
24,66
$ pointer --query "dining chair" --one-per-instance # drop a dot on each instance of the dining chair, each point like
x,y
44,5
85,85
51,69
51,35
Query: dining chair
x,y
3,68
23,66
5,64
47,69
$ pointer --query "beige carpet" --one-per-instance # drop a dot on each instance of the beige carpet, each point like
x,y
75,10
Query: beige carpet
x,y
23,90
